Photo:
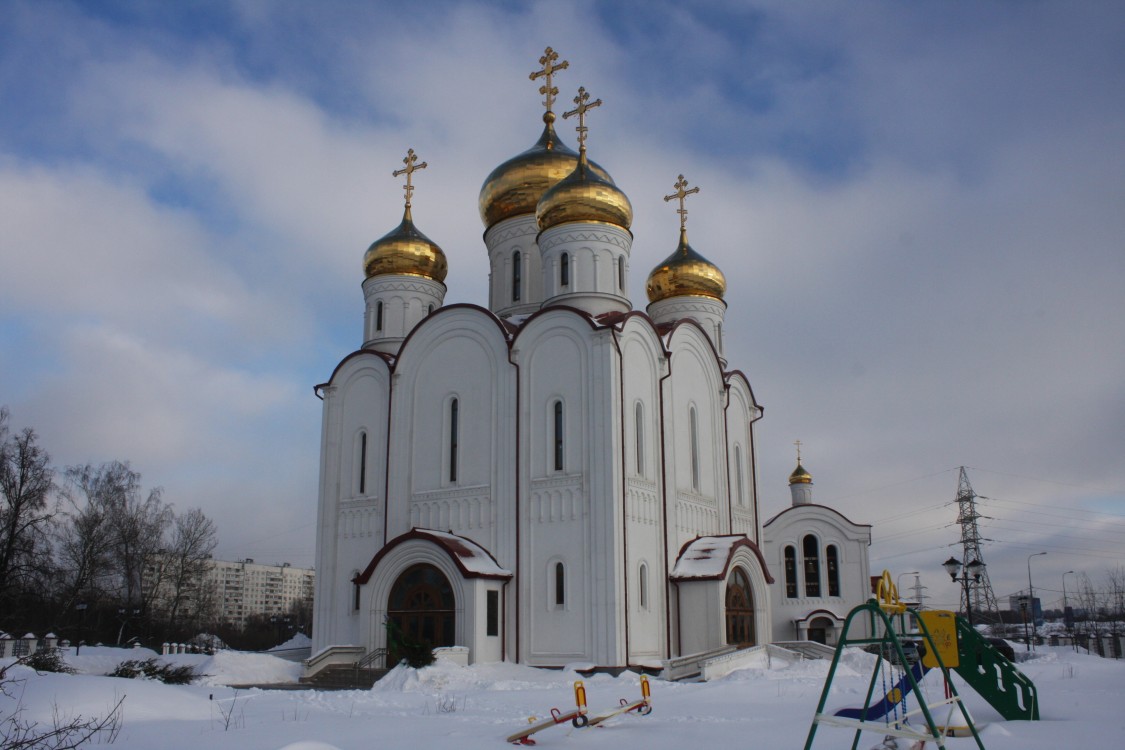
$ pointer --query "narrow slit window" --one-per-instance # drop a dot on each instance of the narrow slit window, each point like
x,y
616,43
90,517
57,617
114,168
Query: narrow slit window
x,y
516,276
559,431
355,597
362,463
643,581
492,609
454,428
560,585
621,272
564,270
378,316
739,486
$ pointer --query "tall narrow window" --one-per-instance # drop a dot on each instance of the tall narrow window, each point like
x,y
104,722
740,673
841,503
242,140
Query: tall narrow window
x,y
558,435
560,585
693,425
790,572
639,436
516,276
738,487
643,585
355,596
362,463
564,270
492,613
454,429
430,309
621,272
832,562
378,316
812,566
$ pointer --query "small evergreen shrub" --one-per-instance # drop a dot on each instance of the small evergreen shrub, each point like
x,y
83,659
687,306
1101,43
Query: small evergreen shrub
x,y
416,653
48,660
153,670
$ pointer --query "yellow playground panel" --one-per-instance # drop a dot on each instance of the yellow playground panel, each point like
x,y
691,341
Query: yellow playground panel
x,y
942,627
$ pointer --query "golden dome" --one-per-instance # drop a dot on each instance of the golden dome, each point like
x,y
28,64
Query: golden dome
x,y
515,187
405,251
800,476
685,272
584,196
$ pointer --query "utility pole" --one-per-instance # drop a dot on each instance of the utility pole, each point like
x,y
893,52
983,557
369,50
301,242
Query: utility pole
x,y
976,595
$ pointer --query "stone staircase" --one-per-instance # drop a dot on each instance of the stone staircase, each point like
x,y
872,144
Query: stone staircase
x,y
344,677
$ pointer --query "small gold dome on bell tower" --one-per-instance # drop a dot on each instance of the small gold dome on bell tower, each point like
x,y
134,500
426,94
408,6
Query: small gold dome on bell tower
x,y
406,250
685,272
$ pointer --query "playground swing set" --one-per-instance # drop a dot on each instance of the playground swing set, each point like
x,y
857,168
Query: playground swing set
x,y
941,641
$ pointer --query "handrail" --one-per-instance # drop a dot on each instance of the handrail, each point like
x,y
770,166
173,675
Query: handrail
x,y
369,659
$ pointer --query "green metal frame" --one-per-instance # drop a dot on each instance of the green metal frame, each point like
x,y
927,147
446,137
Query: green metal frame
x,y
888,638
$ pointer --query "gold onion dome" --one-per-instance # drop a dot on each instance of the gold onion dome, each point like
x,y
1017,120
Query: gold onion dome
x,y
584,196
407,252
685,272
515,187
800,475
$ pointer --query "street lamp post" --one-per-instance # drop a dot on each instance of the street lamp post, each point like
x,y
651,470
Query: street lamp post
x,y
1031,597
81,607
973,572
1067,618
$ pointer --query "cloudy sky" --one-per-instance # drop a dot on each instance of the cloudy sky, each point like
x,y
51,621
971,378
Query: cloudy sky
x,y
920,210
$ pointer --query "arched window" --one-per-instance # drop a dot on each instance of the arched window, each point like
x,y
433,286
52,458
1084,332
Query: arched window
x,y
693,425
564,270
791,572
378,316
516,276
639,437
362,474
812,566
454,430
356,591
642,576
832,561
560,585
559,428
739,487
621,272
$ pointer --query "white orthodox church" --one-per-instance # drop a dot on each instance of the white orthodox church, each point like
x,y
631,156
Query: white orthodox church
x,y
556,477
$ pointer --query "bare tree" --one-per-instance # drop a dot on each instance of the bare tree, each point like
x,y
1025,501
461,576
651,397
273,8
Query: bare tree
x,y
63,733
26,481
193,540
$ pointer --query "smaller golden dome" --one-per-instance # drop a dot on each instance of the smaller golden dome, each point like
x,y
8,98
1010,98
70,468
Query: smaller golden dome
x,y
584,196
405,251
685,272
800,476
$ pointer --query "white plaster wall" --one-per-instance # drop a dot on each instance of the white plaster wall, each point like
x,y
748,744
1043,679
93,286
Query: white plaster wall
x,y
505,238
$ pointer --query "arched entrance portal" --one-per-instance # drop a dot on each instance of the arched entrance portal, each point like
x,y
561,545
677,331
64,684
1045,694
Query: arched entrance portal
x,y
421,604
822,630
740,610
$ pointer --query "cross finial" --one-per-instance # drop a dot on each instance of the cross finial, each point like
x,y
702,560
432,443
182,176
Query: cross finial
x,y
410,168
798,444
580,110
681,194
549,67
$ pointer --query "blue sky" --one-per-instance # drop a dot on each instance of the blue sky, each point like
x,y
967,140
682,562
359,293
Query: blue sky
x,y
918,208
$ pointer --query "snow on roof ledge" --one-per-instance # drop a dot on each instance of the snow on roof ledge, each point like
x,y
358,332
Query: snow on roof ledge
x,y
473,560
708,558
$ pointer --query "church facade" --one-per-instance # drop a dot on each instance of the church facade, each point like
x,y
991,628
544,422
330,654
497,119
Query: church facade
x,y
554,477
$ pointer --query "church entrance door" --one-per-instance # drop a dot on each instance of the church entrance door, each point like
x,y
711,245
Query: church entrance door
x,y
740,610
421,604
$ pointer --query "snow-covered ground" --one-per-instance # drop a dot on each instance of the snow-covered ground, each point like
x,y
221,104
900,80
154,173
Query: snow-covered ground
x,y
769,707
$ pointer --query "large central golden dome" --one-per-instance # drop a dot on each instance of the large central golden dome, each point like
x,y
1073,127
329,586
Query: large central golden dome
x,y
515,187
405,251
685,272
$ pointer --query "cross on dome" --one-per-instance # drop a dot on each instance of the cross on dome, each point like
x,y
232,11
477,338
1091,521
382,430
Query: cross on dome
x,y
410,168
681,194
549,68
798,444
580,110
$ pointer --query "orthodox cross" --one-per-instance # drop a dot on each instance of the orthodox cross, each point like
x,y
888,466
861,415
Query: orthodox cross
x,y
410,168
581,110
549,68
798,444
681,194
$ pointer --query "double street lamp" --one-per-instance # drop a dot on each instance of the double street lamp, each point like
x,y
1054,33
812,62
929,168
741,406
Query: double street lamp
x,y
1030,600
973,573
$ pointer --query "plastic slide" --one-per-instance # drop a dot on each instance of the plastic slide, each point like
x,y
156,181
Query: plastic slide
x,y
893,697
